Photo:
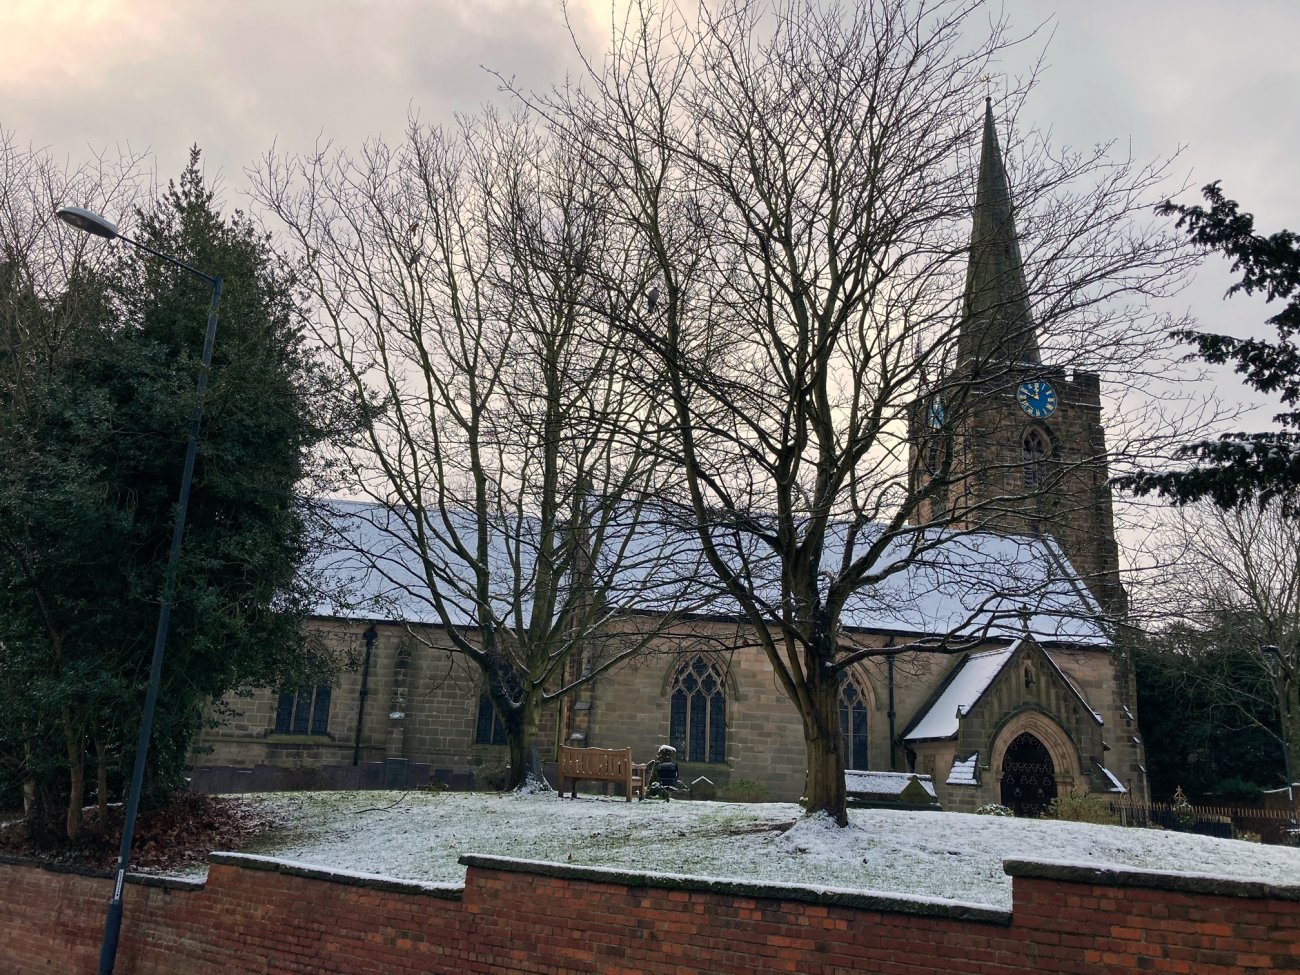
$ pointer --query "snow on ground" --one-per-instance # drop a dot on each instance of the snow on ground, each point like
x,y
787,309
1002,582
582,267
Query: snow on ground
x,y
419,836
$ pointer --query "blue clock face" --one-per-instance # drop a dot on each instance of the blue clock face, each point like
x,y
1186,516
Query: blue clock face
x,y
1037,398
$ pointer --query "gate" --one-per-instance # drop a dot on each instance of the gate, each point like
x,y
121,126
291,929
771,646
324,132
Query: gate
x,y
1028,776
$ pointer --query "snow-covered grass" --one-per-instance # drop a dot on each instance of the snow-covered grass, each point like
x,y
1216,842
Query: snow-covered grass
x,y
420,835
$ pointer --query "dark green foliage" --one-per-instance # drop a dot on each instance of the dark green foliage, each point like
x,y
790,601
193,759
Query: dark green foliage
x,y
1243,467
1207,717
91,450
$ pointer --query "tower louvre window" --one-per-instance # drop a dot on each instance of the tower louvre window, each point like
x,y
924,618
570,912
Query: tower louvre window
x,y
1036,448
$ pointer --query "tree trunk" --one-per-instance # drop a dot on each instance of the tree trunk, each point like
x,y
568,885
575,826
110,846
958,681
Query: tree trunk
x,y
30,806
525,759
76,778
821,723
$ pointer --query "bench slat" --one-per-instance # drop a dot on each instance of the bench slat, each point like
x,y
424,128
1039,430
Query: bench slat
x,y
599,764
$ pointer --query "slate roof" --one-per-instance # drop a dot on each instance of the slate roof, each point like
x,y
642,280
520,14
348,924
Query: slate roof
x,y
963,772
978,585
966,685
972,679
1116,784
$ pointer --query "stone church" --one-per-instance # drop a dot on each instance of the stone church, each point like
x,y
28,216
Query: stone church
x,y
1038,703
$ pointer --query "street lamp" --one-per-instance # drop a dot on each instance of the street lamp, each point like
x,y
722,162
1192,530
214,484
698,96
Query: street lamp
x,y
93,223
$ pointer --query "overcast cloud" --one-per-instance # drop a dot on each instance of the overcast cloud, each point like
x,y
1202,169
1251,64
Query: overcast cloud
x,y
1219,78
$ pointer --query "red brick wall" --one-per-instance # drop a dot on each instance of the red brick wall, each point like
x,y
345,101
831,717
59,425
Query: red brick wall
x,y
258,916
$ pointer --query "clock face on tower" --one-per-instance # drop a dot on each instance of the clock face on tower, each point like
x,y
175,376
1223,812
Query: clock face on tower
x,y
1037,398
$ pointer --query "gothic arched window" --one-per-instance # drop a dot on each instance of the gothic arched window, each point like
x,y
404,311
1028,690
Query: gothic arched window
x,y
853,724
697,722
1037,447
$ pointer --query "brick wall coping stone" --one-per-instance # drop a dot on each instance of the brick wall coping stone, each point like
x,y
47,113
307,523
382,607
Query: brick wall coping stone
x,y
1107,875
867,900
143,879
351,878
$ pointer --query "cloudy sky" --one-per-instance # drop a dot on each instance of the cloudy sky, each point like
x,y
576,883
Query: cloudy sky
x,y
1219,79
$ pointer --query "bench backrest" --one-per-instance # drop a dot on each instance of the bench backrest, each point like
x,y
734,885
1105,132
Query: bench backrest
x,y
614,764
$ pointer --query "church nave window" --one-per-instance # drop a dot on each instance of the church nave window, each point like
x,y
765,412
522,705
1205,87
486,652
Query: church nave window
x,y
697,722
305,711
489,729
853,725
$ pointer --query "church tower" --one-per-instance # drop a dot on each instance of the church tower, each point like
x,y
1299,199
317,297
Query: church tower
x,y
1004,442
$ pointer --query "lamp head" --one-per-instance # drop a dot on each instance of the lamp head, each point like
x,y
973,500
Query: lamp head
x,y
88,221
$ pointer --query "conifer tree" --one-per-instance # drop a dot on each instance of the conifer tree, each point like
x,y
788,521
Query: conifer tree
x,y
1241,467
88,484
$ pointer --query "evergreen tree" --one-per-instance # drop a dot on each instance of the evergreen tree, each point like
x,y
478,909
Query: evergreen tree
x,y
1207,713
88,487
1242,467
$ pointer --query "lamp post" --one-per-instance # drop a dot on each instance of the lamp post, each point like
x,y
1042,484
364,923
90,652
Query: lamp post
x,y
93,223
1277,670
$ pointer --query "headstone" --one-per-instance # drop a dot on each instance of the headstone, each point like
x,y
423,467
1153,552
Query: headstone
x,y
462,781
915,793
372,775
395,773
703,788
266,778
341,777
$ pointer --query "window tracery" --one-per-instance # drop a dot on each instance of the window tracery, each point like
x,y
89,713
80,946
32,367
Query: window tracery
x,y
697,723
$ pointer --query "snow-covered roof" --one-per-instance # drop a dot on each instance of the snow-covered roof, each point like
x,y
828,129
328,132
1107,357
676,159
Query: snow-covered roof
x,y
964,772
1116,784
863,782
372,566
968,684
973,585
980,585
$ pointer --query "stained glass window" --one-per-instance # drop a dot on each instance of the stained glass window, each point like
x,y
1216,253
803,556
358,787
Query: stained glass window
x,y
697,720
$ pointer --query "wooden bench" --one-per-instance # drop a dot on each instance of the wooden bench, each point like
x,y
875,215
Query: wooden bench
x,y
600,765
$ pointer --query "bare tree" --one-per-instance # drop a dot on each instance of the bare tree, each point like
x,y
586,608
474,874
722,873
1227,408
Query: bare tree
x,y
456,280
1237,576
796,181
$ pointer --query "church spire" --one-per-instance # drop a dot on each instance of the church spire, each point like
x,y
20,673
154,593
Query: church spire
x,y
997,327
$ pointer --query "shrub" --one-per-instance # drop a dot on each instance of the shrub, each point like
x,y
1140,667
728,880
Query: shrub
x,y
1081,808
744,791
993,809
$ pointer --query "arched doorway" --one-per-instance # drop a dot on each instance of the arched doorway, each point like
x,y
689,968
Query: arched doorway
x,y
1028,776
